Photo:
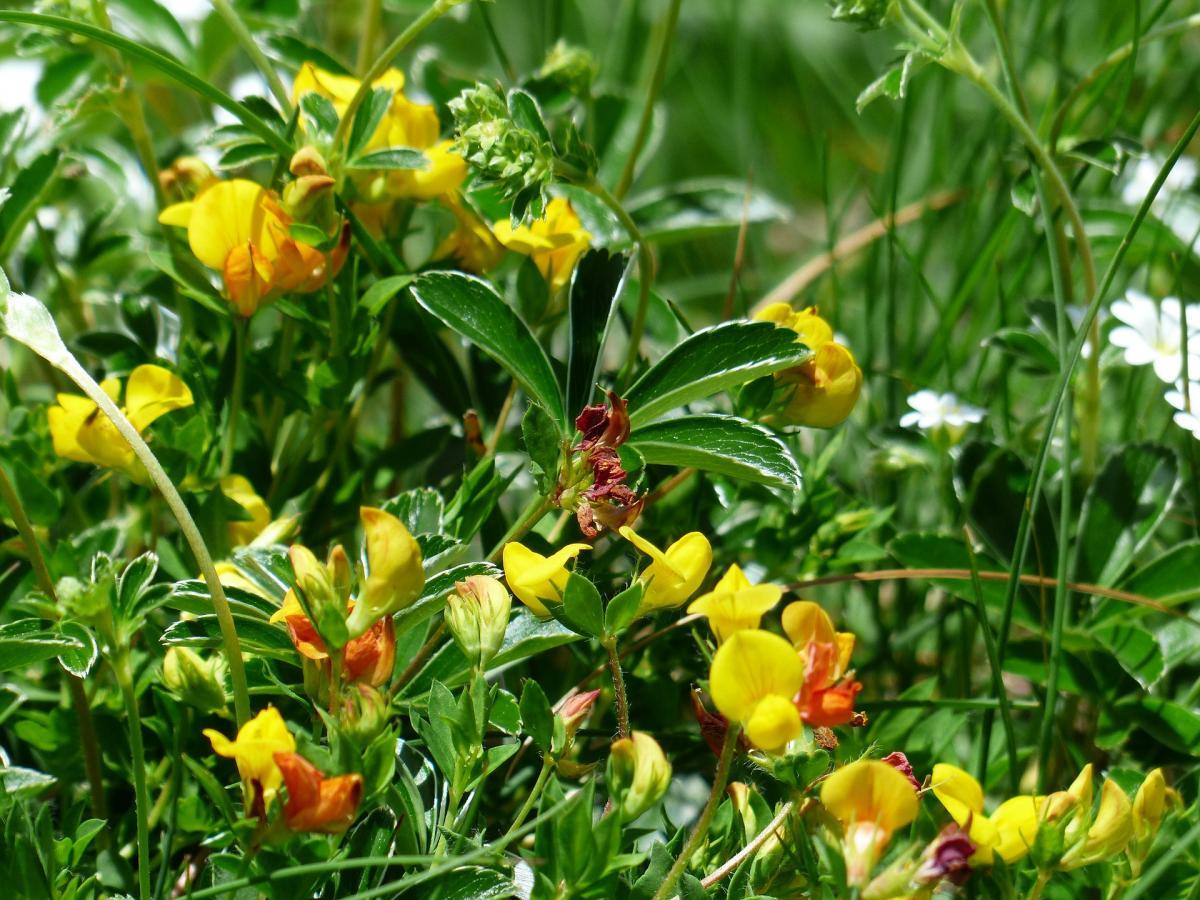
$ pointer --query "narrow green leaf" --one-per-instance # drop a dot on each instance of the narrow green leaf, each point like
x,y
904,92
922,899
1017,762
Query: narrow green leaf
x,y
471,306
536,716
367,119
394,158
597,283
381,292
712,360
726,445
26,189
18,651
582,606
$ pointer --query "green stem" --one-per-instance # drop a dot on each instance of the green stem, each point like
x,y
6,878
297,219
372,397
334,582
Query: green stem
x,y
233,653
436,10
240,326
645,277
250,46
124,673
618,680
720,779
537,508
372,16
79,701
1039,886
647,116
534,793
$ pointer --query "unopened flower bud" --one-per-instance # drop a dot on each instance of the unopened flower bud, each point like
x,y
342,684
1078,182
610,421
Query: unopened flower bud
x,y
395,577
638,774
363,713
477,615
308,161
325,605
300,197
193,680
186,177
569,66
946,857
574,710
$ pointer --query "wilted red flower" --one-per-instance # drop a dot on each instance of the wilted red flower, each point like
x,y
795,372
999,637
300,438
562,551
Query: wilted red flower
x,y
900,763
946,856
314,802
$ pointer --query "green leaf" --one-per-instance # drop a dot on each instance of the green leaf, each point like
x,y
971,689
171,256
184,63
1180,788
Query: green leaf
x,y
700,207
17,781
543,443
582,606
537,718
320,112
307,234
471,306
40,502
726,445
381,292
242,155
255,636
597,283
622,609
1171,724
893,83
527,636
18,651
367,119
391,159
79,662
24,193
1135,649
712,360
1172,579
475,499
526,114
296,52
1123,508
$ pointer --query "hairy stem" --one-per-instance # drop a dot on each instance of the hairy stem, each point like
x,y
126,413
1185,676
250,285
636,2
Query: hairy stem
x,y
124,672
618,681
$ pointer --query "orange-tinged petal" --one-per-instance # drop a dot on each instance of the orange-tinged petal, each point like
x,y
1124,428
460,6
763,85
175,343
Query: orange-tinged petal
x,y
314,802
248,276
230,214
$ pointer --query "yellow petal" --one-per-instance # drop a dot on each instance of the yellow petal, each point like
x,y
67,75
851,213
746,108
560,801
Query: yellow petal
x,y
1016,822
1149,805
781,314
396,577
65,421
734,579
824,390
153,391
177,214
749,667
735,604
870,790
231,214
1113,826
241,491
536,579
774,723
804,622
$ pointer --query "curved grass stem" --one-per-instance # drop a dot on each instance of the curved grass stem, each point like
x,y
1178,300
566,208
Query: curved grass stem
x,y
235,24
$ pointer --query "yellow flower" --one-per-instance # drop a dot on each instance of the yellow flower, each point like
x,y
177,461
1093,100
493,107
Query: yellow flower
x,y
472,245
254,750
672,576
404,124
1009,831
1110,830
239,489
536,579
81,432
806,624
239,228
755,676
735,604
822,392
395,573
872,800
1149,806
554,242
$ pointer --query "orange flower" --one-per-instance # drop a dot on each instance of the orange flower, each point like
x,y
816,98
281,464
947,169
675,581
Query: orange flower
x,y
314,802
368,658
827,697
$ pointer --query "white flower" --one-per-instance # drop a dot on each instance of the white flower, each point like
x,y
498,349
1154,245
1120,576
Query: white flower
x,y
1140,178
1150,334
188,10
933,410
1187,415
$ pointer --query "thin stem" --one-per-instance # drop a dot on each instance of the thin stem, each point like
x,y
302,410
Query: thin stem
x,y
250,46
79,701
502,416
233,653
720,779
372,19
240,325
537,508
652,92
1040,885
645,277
534,793
436,10
618,680
124,673
731,864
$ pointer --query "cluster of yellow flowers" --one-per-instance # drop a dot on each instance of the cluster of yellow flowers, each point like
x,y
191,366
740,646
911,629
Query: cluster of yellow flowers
x,y
872,799
821,392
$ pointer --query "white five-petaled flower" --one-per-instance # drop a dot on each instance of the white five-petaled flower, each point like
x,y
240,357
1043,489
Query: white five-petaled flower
x,y
1150,334
932,410
1187,407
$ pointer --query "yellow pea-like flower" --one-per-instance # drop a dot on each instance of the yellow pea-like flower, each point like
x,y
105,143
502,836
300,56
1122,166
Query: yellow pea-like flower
x,y
254,751
471,244
754,678
554,242
674,574
735,604
639,773
395,572
239,489
1150,805
537,580
872,800
82,433
1008,832
1110,829
811,330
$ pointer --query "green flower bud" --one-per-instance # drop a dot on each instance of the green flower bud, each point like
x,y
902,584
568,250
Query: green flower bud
x,y
477,615
638,774
569,67
363,713
320,595
193,680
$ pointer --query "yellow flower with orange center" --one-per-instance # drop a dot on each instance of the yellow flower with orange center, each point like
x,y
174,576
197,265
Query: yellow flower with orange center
x,y
254,751
827,698
83,433
754,680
